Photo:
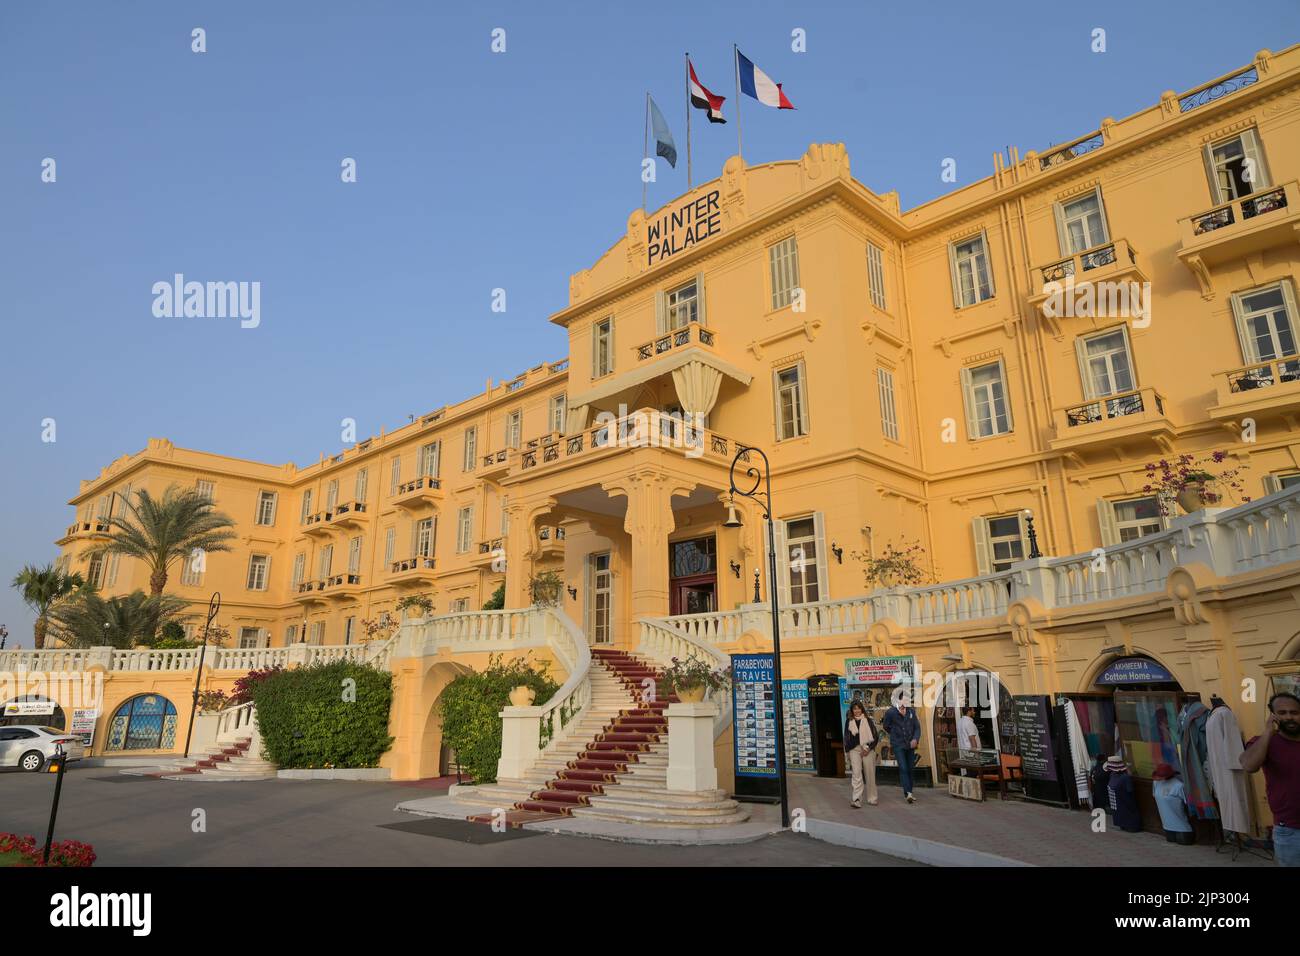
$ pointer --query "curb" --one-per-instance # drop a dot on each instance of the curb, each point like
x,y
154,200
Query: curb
x,y
929,852
340,773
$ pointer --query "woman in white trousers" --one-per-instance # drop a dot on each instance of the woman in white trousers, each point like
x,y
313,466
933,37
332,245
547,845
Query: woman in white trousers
x,y
860,740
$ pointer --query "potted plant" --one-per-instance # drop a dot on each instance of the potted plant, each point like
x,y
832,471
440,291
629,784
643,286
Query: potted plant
x,y
897,565
416,605
378,629
692,679
522,696
1190,481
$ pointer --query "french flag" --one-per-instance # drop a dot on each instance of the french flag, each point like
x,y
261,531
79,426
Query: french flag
x,y
754,82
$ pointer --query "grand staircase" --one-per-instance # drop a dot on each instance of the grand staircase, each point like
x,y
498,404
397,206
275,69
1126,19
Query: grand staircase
x,y
612,766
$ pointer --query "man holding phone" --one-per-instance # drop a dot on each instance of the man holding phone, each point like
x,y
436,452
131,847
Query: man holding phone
x,y
1277,752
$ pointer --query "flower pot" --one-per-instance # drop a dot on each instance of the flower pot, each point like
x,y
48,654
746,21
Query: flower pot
x,y
522,696
691,695
1190,498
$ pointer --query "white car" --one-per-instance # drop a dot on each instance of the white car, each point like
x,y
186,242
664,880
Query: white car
x,y
30,747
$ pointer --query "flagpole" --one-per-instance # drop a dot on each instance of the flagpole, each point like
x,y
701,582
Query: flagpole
x,y
688,122
735,58
645,148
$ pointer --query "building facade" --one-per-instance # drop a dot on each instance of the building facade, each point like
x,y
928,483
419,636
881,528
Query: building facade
x,y
1019,349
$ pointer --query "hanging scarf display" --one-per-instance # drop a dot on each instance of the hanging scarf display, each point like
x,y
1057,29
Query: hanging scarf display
x,y
1193,754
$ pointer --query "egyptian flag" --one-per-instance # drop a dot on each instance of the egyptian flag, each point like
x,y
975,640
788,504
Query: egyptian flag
x,y
702,99
754,82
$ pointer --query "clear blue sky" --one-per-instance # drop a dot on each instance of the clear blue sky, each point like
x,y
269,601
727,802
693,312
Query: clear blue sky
x,y
475,171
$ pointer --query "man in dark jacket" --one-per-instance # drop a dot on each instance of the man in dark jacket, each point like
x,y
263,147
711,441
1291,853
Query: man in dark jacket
x,y
904,729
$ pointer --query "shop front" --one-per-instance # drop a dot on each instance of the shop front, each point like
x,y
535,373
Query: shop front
x,y
876,681
975,729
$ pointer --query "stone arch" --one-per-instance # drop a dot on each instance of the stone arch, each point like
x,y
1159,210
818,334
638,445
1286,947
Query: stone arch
x,y
429,744
1291,649
1087,685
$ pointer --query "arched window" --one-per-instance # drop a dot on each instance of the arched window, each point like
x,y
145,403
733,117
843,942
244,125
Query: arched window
x,y
32,709
145,722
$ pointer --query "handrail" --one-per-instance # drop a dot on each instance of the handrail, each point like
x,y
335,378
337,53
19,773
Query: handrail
x,y
569,644
661,643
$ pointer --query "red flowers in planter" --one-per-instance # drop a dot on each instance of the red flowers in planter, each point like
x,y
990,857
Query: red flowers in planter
x,y
62,852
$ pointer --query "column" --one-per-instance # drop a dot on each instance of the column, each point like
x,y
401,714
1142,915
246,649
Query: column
x,y
649,521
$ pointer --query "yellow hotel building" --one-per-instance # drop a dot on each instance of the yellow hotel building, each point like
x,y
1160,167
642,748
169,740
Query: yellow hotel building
x,y
912,375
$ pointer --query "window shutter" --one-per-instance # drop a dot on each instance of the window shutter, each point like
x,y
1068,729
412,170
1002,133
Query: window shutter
x,y
1106,523
1006,395
1058,213
1216,192
1024,533
1081,353
1101,211
968,401
776,402
110,578
275,504
588,620
1272,485
661,312
823,569
952,274
782,583
1251,147
983,550
1288,296
1249,349
699,298
803,399
266,581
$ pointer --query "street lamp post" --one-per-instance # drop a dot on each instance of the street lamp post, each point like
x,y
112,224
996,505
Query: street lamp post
x,y
214,605
761,492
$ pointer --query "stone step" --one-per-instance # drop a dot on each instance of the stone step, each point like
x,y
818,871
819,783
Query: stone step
x,y
654,817
677,802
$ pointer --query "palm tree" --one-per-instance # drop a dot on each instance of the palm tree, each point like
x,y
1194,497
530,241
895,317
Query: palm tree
x,y
91,620
42,589
159,531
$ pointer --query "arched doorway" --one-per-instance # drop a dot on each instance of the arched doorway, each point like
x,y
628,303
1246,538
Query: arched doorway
x,y
974,699
32,709
143,722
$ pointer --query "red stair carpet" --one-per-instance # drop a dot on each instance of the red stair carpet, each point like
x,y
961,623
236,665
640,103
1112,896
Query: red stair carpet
x,y
630,733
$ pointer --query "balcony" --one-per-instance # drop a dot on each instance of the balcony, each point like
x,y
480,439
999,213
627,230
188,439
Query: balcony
x,y
419,493
1135,417
1104,281
351,514
1271,387
1233,230
495,464
411,571
488,553
309,592
317,525
677,338
550,541
85,530
340,586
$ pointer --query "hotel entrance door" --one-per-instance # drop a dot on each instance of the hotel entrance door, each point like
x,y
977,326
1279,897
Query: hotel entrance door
x,y
693,576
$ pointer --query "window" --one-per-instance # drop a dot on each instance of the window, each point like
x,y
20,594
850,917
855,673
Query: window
x,y
600,598
192,568
359,490
354,555
804,572
791,402
505,515
602,347
1104,363
556,415
95,573
428,460
783,263
348,625
460,605
464,529
423,542
123,501
105,508
206,489
325,562
331,496
390,546
971,282
250,637
290,635
1081,223
145,722
1236,167
299,568
1276,483
984,389
888,413
514,428
876,274
110,575
471,448
258,565
306,507
394,476
1129,519
681,307
999,542
1265,324
317,633
266,507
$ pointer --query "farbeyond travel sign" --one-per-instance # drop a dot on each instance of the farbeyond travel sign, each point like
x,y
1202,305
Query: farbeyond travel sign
x,y
677,231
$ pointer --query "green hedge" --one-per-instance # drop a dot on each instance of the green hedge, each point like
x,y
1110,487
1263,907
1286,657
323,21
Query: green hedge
x,y
307,722
470,709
